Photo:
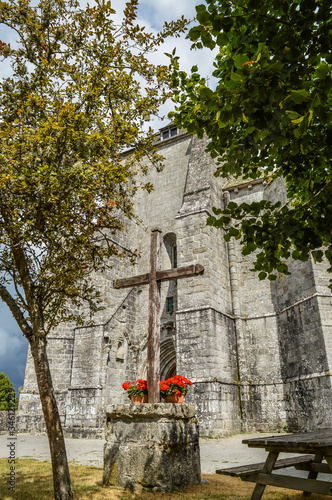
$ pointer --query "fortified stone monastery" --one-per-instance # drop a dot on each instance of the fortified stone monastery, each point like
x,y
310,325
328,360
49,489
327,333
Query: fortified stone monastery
x,y
259,353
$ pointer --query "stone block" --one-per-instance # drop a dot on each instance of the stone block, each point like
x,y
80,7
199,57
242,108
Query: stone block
x,y
154,447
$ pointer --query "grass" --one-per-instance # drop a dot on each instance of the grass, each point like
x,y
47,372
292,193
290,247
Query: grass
x,y
34,482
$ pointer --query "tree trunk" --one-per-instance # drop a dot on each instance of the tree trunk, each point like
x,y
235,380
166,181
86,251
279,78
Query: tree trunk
x,y
61,477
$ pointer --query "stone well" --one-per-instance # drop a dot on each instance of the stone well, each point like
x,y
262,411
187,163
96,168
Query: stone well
x,y
152,446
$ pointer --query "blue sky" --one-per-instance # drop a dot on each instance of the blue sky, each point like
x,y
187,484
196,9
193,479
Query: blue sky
x,y
152,14
13,347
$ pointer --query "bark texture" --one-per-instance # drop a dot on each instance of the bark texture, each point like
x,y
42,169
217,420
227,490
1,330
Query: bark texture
x,y
153,366
61,477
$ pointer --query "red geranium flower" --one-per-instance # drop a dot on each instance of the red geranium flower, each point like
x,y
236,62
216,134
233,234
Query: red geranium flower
x,y
174,385
138,388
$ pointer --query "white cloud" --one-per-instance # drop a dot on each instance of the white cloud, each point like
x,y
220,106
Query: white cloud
x,y
166,10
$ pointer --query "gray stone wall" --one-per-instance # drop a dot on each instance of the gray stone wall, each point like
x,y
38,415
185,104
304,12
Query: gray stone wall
x,y
161,205
3,422
282,334
206,350
153,447
258,352
303,335
258,357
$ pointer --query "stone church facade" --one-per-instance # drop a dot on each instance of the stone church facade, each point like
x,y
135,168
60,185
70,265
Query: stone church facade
x,y
259,353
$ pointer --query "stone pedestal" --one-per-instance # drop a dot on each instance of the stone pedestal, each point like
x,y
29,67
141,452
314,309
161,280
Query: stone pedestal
x,y
152,446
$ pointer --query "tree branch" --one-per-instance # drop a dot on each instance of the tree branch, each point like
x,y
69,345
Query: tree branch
x,y
17,313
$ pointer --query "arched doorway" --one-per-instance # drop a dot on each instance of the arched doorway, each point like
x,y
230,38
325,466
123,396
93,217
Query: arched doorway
x,y
167,359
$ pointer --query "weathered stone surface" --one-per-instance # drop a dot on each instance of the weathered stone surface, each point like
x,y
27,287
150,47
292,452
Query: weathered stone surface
x,y
3,422
259,353
151,446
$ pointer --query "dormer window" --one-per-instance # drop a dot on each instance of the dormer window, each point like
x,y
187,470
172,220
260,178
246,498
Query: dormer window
x,y
170,132
165,134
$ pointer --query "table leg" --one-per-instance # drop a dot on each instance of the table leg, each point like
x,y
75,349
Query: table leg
x,y
268,467
329,461
313,474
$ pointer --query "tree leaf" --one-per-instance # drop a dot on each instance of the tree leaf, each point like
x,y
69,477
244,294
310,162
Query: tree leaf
x,y
239,60
299,96
236,77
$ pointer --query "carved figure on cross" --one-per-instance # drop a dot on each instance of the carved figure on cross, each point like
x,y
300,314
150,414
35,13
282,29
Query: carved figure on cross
x,y
153,279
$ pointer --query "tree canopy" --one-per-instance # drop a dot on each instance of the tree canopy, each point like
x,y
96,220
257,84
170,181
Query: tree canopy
x,y
270,114
8,398
78,86
72,104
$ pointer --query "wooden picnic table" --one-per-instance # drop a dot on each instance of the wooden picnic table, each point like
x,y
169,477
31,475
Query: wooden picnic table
x,y
313,447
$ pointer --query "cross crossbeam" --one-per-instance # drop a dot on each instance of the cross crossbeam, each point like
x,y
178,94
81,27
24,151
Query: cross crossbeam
x,y
167,275
153,279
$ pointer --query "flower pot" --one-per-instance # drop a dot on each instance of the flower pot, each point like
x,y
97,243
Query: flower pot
x,y
174,399
137,400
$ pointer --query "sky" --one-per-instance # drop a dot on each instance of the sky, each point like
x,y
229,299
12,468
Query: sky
x,y
151,14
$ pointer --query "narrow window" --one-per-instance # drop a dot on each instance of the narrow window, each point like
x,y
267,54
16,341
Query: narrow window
x,y
165,134
174,132
170,304
175,257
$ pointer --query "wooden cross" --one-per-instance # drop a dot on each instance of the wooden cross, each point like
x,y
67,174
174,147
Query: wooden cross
x,y
153,279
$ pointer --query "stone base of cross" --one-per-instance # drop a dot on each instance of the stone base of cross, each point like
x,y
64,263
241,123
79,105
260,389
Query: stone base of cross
x,y
153,279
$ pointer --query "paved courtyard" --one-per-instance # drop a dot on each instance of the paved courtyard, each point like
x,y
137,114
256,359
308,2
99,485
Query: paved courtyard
x,y
215,453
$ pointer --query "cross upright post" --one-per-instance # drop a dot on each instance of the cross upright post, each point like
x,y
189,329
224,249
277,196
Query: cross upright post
x,y
153,365
153,279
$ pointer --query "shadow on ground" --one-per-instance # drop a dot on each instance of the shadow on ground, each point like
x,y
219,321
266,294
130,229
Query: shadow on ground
x,y
33,480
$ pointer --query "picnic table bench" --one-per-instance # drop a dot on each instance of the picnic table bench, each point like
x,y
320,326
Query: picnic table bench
x,y
319,446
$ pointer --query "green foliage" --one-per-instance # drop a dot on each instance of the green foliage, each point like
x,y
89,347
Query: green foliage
x,y
271,113
8,398
79,87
